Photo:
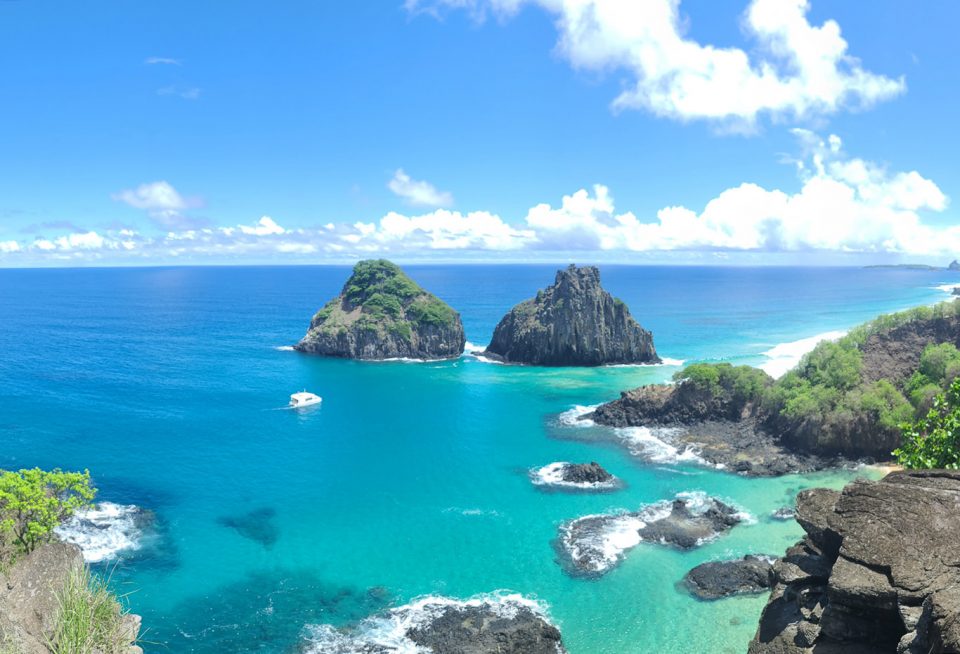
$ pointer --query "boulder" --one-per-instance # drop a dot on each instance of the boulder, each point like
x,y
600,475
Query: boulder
x,y
574,322
878,571
716,579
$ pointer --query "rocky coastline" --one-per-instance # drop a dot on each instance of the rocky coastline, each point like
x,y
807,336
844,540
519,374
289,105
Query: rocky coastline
x,y
574,322
878,570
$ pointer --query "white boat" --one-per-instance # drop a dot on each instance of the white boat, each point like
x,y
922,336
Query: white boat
x,y
303,398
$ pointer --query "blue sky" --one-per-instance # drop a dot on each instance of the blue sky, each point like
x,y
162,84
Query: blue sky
x,y
763,131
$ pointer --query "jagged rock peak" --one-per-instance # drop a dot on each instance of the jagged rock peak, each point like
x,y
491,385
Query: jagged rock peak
x,y
574,322
383,314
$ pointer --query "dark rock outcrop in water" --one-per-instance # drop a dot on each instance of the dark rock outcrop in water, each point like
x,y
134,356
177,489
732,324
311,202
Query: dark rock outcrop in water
x,y
716,579
499,625
383,314
481,630
593,545
954,266
878,571
574,322
585,473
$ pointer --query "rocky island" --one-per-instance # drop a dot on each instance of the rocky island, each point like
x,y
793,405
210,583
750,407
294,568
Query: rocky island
x,y
878,570
845,400
574,322
383,314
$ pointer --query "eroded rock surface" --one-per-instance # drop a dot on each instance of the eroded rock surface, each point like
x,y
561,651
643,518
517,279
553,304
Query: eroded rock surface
x,y
574,322
878,571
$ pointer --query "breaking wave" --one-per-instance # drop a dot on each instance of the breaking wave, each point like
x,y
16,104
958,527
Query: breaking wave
x,y
785,356
105,531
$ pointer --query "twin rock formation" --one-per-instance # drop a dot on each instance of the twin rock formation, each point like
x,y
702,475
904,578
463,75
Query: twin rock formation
x,y
383,314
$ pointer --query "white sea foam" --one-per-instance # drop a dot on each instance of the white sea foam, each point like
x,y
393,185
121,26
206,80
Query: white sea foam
x,y
388,631
552,475
571,417
785,356
597,543
473,512
653,445
947,288
284,348
104,531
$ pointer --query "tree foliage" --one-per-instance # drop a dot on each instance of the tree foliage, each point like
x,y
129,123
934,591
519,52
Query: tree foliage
x,y
33,502
934,440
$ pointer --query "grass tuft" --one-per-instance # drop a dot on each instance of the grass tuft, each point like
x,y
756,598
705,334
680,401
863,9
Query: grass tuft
x,y
90,619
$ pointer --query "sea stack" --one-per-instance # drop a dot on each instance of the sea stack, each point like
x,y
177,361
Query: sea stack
x,y
383,314
574,322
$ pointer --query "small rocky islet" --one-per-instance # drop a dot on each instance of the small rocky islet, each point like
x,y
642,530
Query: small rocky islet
x,y
383,314
573,322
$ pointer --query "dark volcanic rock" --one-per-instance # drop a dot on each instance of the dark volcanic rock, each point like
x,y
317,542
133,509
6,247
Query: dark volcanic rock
x,y
593,545
716,579
506,625
383,314
482,630
572,323
691,523
585,473
954,266
784,513
879,570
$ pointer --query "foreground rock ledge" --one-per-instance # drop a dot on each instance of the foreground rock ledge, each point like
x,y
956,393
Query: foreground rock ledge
x,y
574,322
29,601
878,571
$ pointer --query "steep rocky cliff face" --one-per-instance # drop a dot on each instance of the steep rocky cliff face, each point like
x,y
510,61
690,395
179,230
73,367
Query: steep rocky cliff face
x,y
878,571
383,314
574,322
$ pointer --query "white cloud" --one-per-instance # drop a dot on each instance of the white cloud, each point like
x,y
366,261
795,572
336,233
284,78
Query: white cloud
x,y
167,61
793,69
163,204
264,227
418,193
840,204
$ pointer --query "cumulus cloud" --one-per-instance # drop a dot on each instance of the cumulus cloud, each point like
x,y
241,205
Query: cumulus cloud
x,y
163,204
418,193
839,204
792,70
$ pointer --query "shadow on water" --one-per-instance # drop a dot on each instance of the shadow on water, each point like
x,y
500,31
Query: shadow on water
x,y
257,525
264,612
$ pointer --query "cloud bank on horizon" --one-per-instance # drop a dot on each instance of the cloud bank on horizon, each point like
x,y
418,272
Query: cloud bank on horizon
x,y
843,204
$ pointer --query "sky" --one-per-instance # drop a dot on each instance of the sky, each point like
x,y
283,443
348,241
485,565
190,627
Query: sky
x,y
630,131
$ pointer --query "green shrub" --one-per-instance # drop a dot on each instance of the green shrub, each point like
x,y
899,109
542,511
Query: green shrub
x,y
741,384
33,502
430,311
934,440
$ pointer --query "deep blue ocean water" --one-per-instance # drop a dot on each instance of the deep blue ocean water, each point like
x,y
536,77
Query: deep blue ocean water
x,y
411,478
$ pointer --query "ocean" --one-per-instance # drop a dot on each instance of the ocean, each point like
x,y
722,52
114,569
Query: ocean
x,y
262,528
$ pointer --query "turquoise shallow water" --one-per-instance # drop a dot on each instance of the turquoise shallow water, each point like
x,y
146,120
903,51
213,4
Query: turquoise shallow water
x,y
411,479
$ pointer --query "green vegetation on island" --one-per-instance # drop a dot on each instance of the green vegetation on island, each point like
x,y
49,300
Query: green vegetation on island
x,y
857,395
381,313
